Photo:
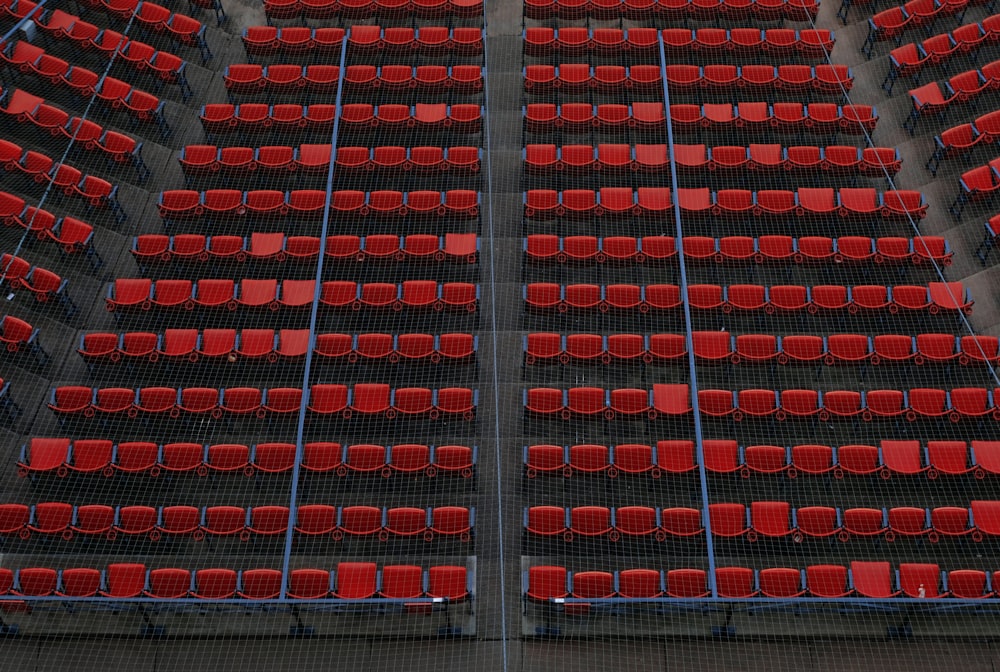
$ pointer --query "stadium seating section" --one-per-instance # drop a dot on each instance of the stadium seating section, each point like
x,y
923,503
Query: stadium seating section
x,y
265,305
267,258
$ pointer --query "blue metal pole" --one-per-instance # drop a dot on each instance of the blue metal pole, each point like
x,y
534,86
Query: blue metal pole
x,y
692,369
313,314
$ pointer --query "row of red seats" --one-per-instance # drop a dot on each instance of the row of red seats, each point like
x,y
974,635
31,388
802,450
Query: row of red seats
x,y
114,93
393,157
205,160
729,249
831,160
26,58
959,89
40,169
18,10
71,234
425,40
148,15
43,169
257,118
891,458
191,345
799,118
270,294
154,20
778,42
675,400
165,66
860,202
300,203
62,457
383,523
959,140
764,520
674,10
366,9
725,456
188,204
284,79
553,584
890,24
910,59
157,248
20,108
934,298
45,285
577,77
321,399
269,41
350,581
720,346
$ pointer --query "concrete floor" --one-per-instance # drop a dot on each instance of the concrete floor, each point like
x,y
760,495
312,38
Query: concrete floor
x,y
533,656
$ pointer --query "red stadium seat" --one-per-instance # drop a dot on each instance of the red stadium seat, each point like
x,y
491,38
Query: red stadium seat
x,y
872,579
817,522
735,582
687,583
865,522
781,582
547,521
907,521
545,583
859,460
968,584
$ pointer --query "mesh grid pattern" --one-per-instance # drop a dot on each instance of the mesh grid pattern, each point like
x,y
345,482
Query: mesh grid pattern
x,y
471,333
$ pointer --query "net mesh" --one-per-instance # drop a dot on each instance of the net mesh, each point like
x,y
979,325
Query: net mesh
x,y
558,335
